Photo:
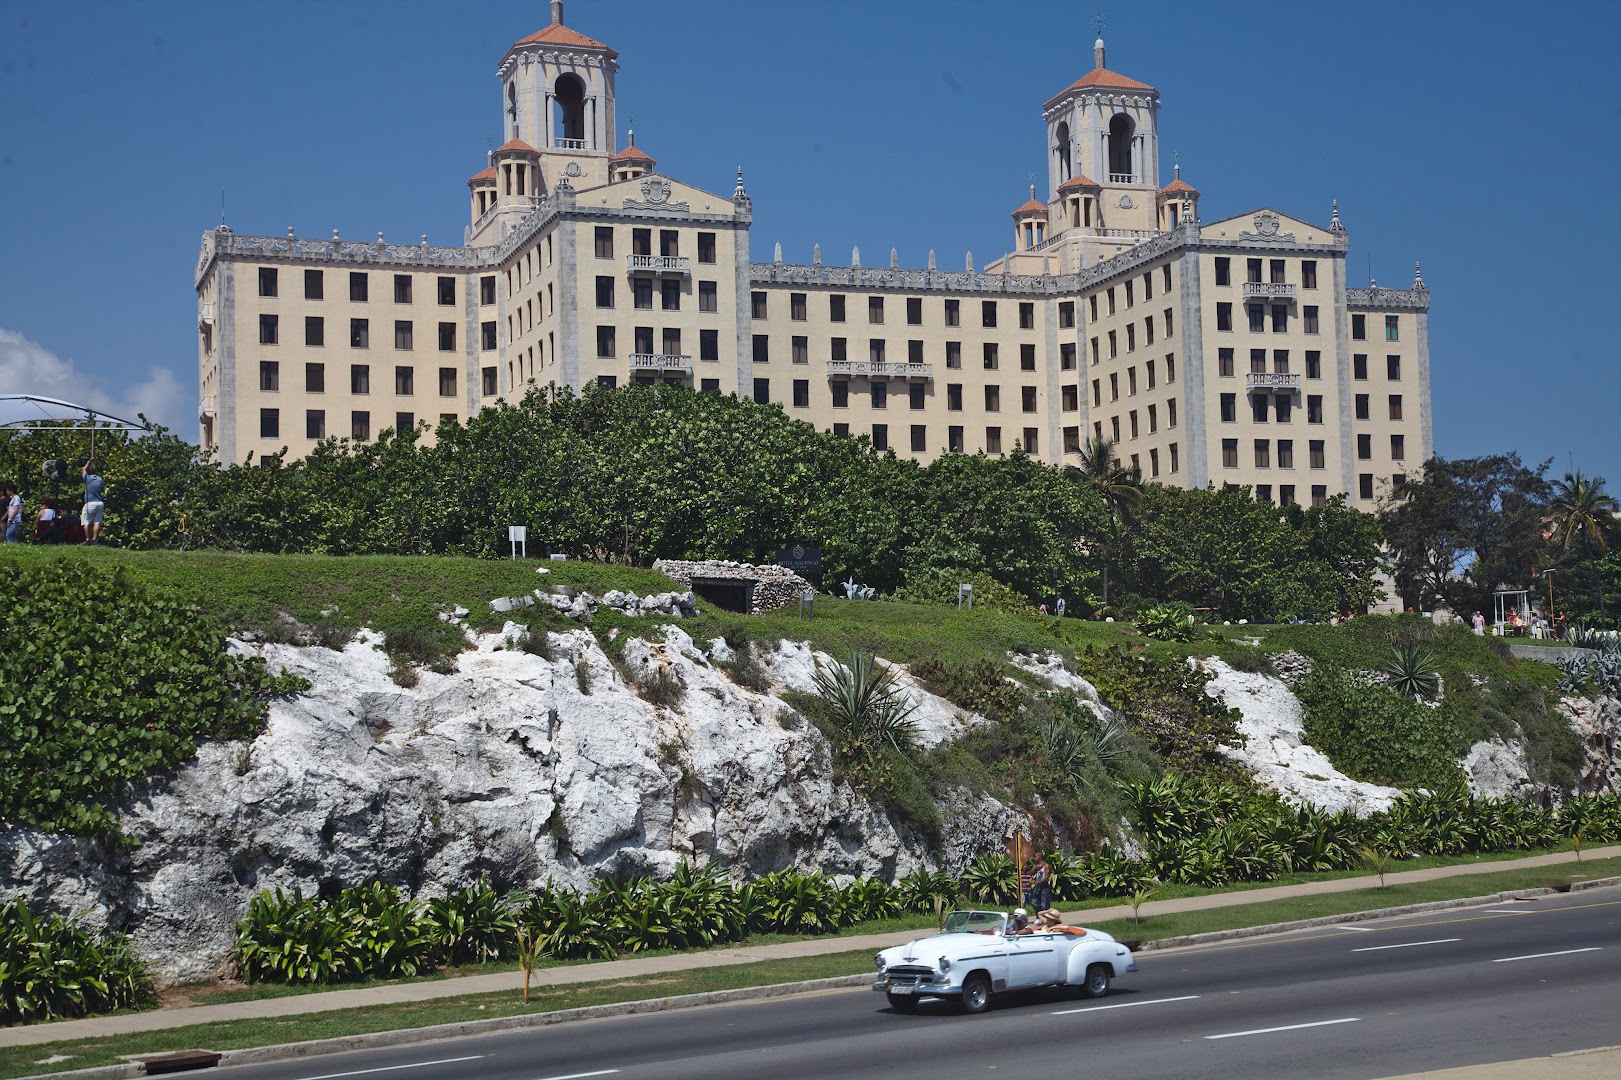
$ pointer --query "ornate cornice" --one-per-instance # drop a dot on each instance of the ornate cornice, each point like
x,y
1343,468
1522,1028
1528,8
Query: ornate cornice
x,y
887,277
1377,298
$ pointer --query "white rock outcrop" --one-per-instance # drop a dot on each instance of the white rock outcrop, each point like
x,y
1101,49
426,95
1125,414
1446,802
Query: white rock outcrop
x,y
514,766
1273,723
1598,722
1496,770
1050,669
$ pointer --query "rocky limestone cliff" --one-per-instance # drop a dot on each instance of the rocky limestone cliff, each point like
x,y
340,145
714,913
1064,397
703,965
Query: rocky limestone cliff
x,y
514,766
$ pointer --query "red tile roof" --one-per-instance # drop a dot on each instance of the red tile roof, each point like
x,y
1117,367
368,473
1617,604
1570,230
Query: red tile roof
x,y
632,153
1179,185
1102,77
516,146
487,174
558,34
1030,207
1078,181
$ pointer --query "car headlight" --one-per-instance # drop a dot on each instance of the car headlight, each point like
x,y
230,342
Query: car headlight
x,y
945,965
881,964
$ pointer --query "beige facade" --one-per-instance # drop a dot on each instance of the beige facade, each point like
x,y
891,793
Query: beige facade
x,y
1228,352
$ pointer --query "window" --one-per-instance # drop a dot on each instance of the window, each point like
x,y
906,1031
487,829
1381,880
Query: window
x,y
486,334
487,384
1229,453
835,308
1175,465
709,345
914,352
605,243
315,424
1263,454
1097,394
1398,481
447,292
802,393
1314,450
706,247
611,381
1364,447
1263,493
707,297
1224,316
269,331
267,281
709,386
360,426
875,350
880,436
670,345
641,291
1393,368
757,305
762,349
404,421
1229,408
670,243
670,294
1111,299
1319,494
992,362
1310,315
1148,329
1131,337
1362,406
360,378
1170,418
402,335
1365,485
1148,285
315,378
875,309
1027,358
1314,408
1359,328
838,349
1114,345
953,354
1070,398
1286,453
1257,361
1066,356
605,291
1283,405
920,438
1258,407
954,397
447,337
1395,406
314,285
1095,354
1392,328
1093,301
1398,447
1280,318
1066,314
402,288
1153,462
915,393
404,380
641,241
1314,364
1114,386
762,391
1132,417
314,331
879,392
1278,269
359,334
1254,268
993,440
841,431
953,312
1224,363
1170,367
1131,381
606,344
1165,276
1224,270
841,393
1359,366
359,286
1032,444
486,289
1130,299
987,313
796,306
801,350
1280,361
269,376
1153,419
1027,315
269,423
1027,396
1308,274
914,311
993,399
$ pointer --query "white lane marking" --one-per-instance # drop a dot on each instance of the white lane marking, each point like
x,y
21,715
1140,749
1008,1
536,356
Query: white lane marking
x,y
1540,955
1358,929
1408,944
579,1076
1504,911
395,1068
1124,1005
1286,1027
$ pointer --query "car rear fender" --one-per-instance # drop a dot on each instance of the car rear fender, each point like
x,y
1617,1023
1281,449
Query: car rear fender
x,y
1087,953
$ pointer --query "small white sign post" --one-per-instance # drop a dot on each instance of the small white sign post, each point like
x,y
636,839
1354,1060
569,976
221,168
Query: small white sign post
x,y
518,537
965,596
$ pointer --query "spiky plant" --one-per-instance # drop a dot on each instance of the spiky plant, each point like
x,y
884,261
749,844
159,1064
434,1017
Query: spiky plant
x,y
867,702
1412,670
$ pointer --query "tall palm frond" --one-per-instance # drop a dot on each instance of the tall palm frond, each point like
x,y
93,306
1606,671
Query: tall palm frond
x,y
1581,510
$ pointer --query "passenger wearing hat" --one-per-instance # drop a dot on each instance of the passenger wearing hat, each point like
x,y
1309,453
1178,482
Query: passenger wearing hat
x,y
1020,923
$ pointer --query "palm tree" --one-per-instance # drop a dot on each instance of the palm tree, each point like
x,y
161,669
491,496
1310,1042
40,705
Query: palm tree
x,y
1119,486
1582,510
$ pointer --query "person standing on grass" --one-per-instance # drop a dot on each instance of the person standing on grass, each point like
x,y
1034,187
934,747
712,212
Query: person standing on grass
x,y
90,516
14,514
1058,609
1479,622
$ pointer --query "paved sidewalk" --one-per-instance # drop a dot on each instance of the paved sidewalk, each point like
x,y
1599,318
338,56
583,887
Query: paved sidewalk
x,y
655,965
1603,1061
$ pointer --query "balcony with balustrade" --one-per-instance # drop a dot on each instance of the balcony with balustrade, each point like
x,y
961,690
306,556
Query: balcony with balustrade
x,y
660,364
1271,381
1271,290
880,369
569,144
658,265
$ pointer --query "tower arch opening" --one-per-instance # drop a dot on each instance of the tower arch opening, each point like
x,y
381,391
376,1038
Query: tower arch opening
x,y
568,94
1122,133
1061,136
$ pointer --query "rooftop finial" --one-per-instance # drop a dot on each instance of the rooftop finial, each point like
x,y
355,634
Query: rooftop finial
x,y
1334,224
739,189
557,12
1418,278
1097,46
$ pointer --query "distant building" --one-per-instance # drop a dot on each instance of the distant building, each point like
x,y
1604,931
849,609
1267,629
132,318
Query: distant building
x,y
1225,352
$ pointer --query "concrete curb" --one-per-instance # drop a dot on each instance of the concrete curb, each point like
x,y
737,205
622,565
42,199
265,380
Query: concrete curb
x,y
407,1036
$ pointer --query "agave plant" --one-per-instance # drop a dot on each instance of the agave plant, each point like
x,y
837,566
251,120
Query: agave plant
x,y
867,703
1412,669
1607,669
1573,672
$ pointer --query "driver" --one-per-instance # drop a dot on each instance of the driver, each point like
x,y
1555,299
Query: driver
x,y
1020,922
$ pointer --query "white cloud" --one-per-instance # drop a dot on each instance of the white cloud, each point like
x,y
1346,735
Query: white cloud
x,y
27,367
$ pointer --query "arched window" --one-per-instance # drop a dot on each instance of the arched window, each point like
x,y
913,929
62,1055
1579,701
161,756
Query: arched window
x,y
512,109
1121,130
1064,166
569,94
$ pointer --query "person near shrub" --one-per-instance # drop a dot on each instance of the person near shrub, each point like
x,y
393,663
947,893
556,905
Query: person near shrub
x,y
90,516
14,514
48,523
1038,893
1058,609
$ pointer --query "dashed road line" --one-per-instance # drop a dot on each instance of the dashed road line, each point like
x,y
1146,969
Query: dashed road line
x,y
1407,944
1540,955
396,1068
1124,1005
1286,1027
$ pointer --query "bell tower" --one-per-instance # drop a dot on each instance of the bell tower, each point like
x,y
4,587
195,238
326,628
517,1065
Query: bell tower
x,y
1103,133
557,95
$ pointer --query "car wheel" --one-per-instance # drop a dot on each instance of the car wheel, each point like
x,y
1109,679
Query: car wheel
x,y
1097,981
906,1003
976,993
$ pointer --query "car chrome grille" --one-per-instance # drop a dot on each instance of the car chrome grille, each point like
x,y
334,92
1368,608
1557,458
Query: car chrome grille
x,y
907,971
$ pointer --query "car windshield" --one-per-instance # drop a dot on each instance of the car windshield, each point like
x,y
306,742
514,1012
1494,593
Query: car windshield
x,y
974,922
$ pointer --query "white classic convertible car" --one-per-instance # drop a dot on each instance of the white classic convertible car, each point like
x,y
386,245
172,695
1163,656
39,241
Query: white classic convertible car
x,y
974,956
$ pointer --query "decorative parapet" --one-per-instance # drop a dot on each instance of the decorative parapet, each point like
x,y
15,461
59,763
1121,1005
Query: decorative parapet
x,y
1377,298
889,277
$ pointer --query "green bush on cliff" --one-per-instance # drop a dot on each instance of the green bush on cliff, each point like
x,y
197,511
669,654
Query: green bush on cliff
x,y
104,682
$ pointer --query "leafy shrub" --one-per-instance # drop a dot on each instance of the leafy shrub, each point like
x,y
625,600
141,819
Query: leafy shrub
x,y
1376,734
106,682
938,585
52,968
472,925
1169,622
1164,702
433,647
1249,659
982,685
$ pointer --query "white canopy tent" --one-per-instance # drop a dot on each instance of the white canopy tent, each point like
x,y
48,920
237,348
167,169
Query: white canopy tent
x,y
1506,603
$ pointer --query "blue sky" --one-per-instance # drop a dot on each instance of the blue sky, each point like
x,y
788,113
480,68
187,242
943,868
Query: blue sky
x,y
1479,138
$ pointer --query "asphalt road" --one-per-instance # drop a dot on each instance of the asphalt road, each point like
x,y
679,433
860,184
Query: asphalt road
x,y
1463,987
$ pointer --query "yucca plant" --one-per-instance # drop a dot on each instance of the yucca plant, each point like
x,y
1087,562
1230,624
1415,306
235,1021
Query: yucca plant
x,y
923,888
867,703
991,879
1412,669
54,968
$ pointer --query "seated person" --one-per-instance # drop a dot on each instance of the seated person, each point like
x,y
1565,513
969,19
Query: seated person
x,y
1020,923
47,523
1051,924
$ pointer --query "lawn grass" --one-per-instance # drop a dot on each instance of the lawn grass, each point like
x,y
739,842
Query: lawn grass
x,y
84,1053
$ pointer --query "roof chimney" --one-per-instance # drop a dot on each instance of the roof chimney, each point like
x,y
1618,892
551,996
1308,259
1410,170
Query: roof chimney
x,y
1097,47
557,12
